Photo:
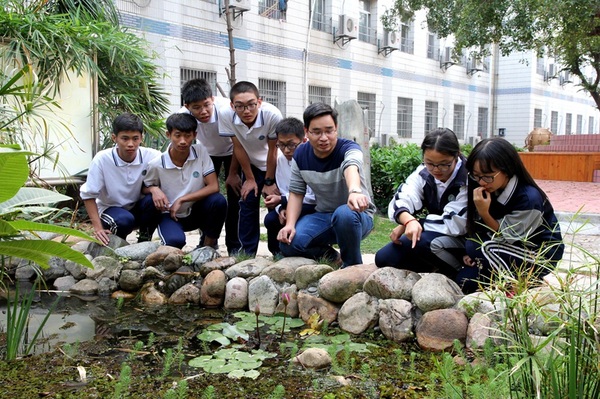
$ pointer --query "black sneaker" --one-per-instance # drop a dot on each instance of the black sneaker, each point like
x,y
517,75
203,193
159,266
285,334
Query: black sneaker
x,y
144,235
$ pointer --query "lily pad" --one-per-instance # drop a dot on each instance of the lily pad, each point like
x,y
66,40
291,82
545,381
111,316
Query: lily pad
x,y
210,336
237,374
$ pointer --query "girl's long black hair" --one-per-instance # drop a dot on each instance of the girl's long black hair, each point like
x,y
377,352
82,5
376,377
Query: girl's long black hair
x,y
496,154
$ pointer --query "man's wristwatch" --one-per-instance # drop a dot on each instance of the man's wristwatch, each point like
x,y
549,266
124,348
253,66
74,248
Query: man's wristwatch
x,y
355,190
269,181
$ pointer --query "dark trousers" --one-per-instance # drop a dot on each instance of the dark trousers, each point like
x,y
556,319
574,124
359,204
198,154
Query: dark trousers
x,y
121,222
207,215
232,240
249,216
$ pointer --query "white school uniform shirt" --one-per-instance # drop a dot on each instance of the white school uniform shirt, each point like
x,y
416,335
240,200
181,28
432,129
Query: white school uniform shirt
x,y
253,139
114,182
283,174
208,133
177,181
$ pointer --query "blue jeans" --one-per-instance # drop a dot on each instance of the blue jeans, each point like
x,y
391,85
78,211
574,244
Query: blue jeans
x,y
121,221
208,215
273,226
315,233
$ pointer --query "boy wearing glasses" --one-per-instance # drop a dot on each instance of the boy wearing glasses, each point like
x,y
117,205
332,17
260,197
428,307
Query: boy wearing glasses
x,y
250,123
290,134
199,101
333,168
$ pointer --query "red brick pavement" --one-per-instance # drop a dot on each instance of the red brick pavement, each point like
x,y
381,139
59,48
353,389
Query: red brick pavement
x,y
568,196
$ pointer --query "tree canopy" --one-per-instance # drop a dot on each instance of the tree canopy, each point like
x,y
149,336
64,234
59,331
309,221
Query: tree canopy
x,y
569,30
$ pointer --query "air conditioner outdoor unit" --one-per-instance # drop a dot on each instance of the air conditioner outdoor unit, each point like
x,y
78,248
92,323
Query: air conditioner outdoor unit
x,y
348,27
240,5
391,38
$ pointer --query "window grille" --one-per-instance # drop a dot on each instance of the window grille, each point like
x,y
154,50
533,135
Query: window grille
x,y
186,74
568,124
537,117
407,39
318,94
319,20
579,124
431,115
459,121
273,91
554,122
591,125
433,46
271,9
367,101
404,118
482,122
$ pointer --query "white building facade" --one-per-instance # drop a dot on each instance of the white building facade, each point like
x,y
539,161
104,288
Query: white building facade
x,y
405,81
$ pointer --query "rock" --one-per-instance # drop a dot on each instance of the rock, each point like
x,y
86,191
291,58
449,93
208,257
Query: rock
x,y
131,265
546,319
341,284
435,291
292,307
81,246
25,270
263,292
391,283
202,255
359,313
478,331
181,277
131,280
212,293
438,329
309,304
313,358
172,262
158,256
236,294
396,320
308,275
95,249
137,252
217,264
151,296
189,293
104,266
481,302
64,283
56,269
106,286
123,294
541,296
85,287
76,270
152,273
284,270
248,268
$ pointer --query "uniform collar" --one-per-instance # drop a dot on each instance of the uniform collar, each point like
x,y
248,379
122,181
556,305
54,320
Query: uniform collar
x,y
508,191
120,162
167,163
259,122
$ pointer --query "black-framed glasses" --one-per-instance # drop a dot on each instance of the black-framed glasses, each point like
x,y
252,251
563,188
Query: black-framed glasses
x,y
289,146
486,179
242,107
442,167
319,133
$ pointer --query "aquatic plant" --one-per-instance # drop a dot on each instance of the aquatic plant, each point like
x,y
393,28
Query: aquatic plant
x,y
285,298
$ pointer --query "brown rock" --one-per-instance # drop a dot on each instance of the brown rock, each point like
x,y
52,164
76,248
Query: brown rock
x,y
212,292
158,256
341,284
122,294
216,264
438,329
151,296
309,304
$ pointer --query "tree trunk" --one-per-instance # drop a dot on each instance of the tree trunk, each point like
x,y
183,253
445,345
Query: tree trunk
x,y
231,70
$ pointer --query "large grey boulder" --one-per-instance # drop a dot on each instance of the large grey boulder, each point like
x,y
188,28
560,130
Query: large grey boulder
x,y
217,264
64,283
341,284
389,282
95,249
189,293
309,275
248,268
104,266
284,270
435,291
202,255
359,313
262,292
85,287
137,252
396,319
131,280
56,269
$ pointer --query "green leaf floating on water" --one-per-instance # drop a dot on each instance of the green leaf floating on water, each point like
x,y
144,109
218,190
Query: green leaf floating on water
x,y
209,336
236,364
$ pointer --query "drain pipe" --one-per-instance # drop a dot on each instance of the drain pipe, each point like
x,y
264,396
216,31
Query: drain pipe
x,y
493,90
311,13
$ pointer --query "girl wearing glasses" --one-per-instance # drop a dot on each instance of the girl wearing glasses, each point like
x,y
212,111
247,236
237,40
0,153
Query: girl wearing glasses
x,y
434,242
511,224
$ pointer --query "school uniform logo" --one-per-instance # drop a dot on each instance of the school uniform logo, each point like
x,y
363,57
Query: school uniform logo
x,y
261,137
451,197
196,174
144,172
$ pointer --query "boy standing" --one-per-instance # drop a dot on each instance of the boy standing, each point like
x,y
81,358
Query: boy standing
x,y
112,194
250,123
184,186
333,168
290,134
199,101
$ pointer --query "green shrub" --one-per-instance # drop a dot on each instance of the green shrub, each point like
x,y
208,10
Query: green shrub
x,y
390,166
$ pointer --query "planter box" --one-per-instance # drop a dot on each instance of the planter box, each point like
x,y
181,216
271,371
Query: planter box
x,y
565,166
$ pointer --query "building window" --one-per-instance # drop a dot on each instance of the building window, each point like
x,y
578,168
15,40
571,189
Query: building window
x,y
579,124
482,122
433,46
407,37
554,122
591,125
431,115
568,123
366,16
319,19
367,101
186,74
275,9
537,118
317,94
405,111
539,66
459,121
273,91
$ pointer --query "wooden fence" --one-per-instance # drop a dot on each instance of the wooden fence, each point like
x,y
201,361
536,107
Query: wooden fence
x,y
565,166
